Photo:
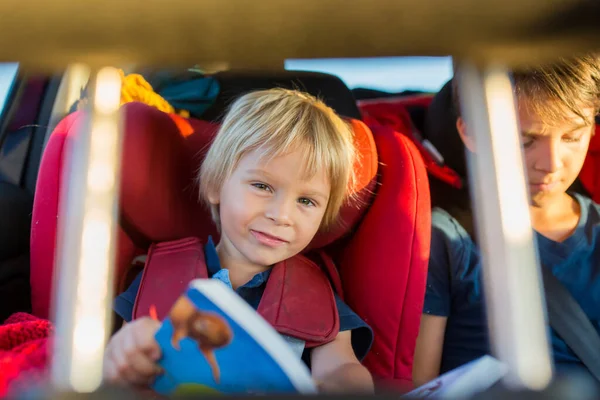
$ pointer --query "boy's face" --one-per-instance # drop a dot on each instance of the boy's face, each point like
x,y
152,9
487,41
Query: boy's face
x,y
269,211
554,154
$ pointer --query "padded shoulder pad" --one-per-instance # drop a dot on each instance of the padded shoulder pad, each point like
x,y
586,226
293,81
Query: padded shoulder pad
x,y
299,302
169,269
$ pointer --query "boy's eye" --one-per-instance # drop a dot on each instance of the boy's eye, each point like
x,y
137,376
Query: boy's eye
x,y
527,141
261,186
306,202
571,139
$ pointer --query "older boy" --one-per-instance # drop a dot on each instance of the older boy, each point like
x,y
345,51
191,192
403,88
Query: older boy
x,y
556,109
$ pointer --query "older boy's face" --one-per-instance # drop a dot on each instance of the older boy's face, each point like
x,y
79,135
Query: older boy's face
x,y
554,154
270,211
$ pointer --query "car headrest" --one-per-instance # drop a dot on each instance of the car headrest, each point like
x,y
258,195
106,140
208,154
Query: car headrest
x,y
440,130
328,88
159,194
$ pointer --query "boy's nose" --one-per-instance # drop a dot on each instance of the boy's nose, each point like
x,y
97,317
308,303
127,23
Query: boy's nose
x,y
549,157
280,211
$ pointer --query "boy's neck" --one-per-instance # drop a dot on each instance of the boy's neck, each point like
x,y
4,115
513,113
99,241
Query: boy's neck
x,y
240,272
558,219
239,276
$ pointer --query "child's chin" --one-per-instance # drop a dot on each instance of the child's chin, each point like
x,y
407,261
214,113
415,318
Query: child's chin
x,y
269,259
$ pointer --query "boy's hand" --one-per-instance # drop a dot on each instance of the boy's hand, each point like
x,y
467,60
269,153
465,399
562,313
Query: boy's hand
x,y
131,354
351,378
335,368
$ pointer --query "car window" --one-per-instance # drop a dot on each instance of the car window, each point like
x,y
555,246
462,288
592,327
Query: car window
x,y
8,83
390,74
8,78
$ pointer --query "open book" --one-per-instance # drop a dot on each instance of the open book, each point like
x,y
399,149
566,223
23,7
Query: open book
x,y
213,341
463,382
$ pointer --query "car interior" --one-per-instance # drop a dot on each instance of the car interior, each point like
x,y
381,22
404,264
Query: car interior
x,y
411,160
376,250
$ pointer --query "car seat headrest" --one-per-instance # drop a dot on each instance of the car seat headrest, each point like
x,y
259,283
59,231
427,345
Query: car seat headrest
x,y
440,130
329,88
365,168
159,194
159,200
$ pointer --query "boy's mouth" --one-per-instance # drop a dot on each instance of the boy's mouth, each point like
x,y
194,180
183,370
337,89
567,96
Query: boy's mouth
x,y
544,187
267,239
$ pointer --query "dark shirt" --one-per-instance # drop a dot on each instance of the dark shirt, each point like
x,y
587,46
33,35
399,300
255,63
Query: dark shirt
x,y
455,286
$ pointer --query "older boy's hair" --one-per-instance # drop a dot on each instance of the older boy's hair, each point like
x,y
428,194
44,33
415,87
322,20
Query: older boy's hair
x,y
276,122
555,90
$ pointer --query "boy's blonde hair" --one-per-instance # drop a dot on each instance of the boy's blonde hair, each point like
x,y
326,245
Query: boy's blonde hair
x,y
276,122
555,90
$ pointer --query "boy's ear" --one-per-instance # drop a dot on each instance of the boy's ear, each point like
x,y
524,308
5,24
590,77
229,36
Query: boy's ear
x,y
467,139
213,197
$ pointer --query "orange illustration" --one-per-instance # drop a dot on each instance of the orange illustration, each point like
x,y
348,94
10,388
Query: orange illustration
x,y
208,329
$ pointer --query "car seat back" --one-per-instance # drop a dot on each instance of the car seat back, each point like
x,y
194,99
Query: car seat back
x,y
384,264
235,83
381,250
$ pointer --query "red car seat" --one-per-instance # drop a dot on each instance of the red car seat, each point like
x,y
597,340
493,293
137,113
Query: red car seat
x,y
590,173
382,251
401,114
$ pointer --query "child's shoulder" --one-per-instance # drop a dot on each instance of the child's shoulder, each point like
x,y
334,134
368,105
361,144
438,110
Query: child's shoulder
x,y
445,225
590,210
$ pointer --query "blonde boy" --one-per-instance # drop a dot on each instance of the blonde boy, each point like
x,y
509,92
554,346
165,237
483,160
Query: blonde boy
x,y
277,172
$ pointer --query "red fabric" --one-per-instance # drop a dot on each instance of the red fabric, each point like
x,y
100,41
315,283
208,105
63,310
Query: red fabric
x,y
365,168
24,349
384,266
45,211
45,214
590,173
298,301
169,268
159,198
393,114
417,100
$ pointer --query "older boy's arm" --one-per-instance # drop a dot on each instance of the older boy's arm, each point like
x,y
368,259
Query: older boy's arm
x,y
335,367
429,348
